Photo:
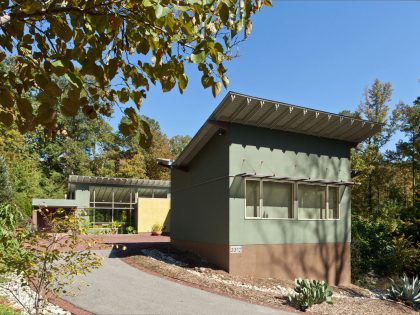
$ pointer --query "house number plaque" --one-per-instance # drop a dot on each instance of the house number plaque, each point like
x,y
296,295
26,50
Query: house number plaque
x,y
236,249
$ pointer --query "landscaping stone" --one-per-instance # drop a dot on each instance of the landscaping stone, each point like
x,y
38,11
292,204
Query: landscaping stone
x,y
20,296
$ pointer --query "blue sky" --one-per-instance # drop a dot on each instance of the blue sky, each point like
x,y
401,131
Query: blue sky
x,y
319,54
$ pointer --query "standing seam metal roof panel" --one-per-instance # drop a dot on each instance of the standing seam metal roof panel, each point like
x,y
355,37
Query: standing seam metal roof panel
x,y
252,111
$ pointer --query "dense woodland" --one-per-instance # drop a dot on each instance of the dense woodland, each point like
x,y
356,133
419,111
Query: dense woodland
x,y
39,166
385,206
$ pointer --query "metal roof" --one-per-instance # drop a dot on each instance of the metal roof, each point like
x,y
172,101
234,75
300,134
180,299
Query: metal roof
x,y
114,181
253,111
55,203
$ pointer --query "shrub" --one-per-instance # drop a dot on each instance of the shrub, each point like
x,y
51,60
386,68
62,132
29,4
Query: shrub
x,y
383,247
408,291
47,260
372,246
130,230
6,309
157,227
310,292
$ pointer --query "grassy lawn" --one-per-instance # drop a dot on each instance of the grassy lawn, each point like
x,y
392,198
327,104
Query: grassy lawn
x,y
6,309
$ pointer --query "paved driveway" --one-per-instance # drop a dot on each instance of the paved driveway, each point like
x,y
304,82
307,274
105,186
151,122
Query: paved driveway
x,y
118,288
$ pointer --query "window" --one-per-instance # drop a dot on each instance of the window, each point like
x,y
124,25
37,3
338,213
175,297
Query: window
x,y
333,212
311,201
277,200
252,199
270,199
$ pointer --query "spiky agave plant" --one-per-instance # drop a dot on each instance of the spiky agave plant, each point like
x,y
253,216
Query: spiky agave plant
x,y
408,291
309,292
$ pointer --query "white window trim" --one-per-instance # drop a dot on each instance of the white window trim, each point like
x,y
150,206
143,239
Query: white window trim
x,y
295,200
259,201
260,204
326,201
292,198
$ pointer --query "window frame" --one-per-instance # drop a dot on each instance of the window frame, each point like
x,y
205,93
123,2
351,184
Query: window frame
x,y
326,186
295,200
338,201
261,202
292,197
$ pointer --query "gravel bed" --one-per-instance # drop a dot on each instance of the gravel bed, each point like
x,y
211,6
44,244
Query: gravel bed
x,y
265,291
13,291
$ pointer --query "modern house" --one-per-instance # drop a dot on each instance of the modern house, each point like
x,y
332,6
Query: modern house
x,y
264,188
139,203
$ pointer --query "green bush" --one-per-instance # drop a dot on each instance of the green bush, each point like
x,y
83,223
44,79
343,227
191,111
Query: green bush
x,y
6,310
310,292
383,247
372,246
407,291
130,230
157,227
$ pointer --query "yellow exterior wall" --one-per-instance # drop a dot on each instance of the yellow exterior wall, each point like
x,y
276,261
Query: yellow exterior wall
x,y
151,211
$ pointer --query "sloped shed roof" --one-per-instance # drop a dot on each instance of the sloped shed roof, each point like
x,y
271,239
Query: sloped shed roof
x,y
253,111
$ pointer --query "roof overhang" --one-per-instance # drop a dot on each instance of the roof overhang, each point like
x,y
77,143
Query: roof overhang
x,y
55,203
114,181
253,111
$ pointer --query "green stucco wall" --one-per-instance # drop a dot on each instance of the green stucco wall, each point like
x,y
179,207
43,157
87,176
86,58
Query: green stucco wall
x,y
200,196
281,153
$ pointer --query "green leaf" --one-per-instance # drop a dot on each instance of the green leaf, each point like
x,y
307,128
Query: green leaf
x,y
46,98
137,98
74,94
6,98
224,12
143,47
74,79
70,107
45,113
53,89
161,11
147,3
25,107
225,81
31,7
146,136
6,118
131,113
182,82
206,81
216,88
125,129
199,57
61,28
112,68
58,67
248,28
123,95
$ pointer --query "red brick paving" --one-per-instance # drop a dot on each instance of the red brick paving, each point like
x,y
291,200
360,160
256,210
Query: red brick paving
x,y
130,238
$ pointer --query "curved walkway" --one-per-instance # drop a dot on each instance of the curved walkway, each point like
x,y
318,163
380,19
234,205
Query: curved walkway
x,y
120,289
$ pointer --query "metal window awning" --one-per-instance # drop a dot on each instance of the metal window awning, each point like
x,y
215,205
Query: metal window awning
x,y
298,179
